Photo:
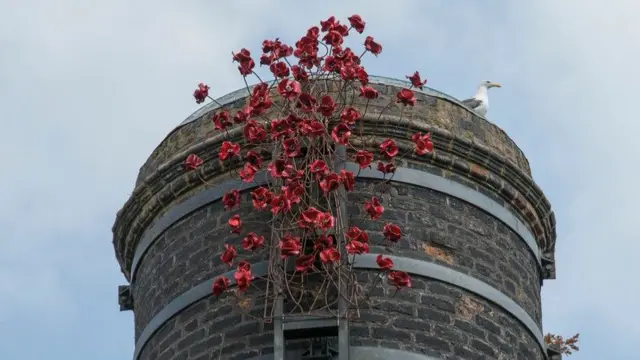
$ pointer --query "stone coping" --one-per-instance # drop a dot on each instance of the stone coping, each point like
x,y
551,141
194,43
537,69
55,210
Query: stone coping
x,y
498,140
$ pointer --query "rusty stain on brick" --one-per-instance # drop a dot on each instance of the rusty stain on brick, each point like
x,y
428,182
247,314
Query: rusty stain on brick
x,y
537,228
438,253
530,215
467,308
478,170
518,202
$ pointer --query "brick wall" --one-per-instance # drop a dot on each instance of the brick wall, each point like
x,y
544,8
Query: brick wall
x,y
443,321
483,246
431,318
188,253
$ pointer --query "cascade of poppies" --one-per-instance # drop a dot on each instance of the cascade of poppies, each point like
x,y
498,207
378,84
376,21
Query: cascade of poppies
x,y
291,128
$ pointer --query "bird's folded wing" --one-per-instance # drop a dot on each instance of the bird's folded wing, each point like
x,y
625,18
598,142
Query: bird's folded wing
x,y
472,103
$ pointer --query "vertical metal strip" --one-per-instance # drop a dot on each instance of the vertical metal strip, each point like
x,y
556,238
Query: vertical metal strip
x,y
278,314
278,331
342,223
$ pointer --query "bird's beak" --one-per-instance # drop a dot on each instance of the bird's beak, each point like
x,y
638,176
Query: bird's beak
x,y
495,85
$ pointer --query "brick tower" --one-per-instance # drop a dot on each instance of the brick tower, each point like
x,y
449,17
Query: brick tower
x,y
480,238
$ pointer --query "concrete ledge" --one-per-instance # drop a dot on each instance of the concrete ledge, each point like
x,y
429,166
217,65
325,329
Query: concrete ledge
x,y
402,175
365,261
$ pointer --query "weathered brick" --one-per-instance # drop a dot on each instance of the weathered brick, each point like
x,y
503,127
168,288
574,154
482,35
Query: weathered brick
x,y
194,310
243,330
484,347
212,342
433,342
181,356
167,354
397,307
191,339
191,326
500,344
437,316
526,352
470,328
411,324
437,303
170,340
226,322
370,318
215,310
465,353
360,330
441,289
264,338
386,333
450,334
488,324
233,348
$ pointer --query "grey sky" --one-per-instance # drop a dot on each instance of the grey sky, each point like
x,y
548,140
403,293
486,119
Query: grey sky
x,y
88,91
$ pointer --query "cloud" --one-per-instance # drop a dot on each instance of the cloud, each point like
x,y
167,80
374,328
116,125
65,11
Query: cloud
x,y
92,89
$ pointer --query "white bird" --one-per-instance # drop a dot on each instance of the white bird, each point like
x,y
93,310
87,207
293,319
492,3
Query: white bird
x,y
480,101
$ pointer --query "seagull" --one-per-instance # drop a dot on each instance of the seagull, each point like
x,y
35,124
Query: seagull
x,y
480,102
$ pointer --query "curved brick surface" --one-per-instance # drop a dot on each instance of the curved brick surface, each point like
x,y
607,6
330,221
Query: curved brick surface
x,y
432,318
438,228
189,251
482,246
442,321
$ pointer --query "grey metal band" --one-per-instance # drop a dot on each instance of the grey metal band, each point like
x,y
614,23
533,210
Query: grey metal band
x,y
371,353
403,175
365,261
